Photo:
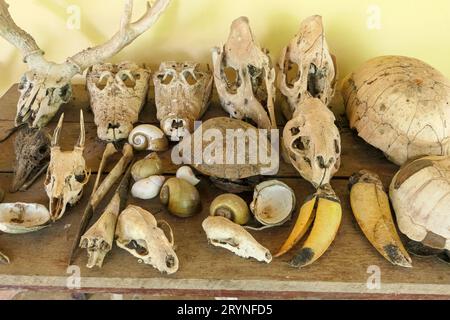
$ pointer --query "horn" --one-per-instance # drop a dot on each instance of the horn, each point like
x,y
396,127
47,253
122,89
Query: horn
x,y
82,138
57,132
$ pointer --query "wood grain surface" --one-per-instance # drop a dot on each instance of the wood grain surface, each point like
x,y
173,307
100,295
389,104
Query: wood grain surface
x,y
39,260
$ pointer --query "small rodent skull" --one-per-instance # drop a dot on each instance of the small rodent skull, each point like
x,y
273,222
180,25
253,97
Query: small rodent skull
x,y
66,174
312,142
117,94
182,93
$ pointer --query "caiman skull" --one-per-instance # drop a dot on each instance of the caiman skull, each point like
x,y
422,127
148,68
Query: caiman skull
x,y
47,85
66,174
182,93
244,77
42,93
307,69
32,149
312,142
117,94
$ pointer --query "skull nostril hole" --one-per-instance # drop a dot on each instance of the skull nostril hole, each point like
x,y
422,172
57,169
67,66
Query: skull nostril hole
x,y
321,162
336,146
170,261
176,124
113,126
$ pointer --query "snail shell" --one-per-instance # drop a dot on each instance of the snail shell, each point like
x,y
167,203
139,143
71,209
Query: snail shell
x,y
187,174
147,167
147,188
181,198
232,207
273,203
148,137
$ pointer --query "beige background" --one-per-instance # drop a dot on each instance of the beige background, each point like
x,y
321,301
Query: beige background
x,y
356,29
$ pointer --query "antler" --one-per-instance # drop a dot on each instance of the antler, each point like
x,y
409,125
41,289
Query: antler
x,y
16,36
128,32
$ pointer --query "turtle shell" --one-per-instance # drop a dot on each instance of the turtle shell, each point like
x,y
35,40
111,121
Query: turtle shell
x,y
401,106
206,150
420,194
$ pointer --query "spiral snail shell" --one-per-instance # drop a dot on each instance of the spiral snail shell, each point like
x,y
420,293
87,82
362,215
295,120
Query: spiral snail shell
x,y
148,137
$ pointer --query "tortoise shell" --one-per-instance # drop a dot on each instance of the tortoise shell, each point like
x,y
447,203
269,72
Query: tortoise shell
x,y
420,194
401,106
206,150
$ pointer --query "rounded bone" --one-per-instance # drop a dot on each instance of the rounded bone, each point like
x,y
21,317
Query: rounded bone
x,y
18,218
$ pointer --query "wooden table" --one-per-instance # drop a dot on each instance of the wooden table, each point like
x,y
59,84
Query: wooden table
x,y
38,260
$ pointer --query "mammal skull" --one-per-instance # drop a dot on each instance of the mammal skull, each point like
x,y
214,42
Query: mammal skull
x,y
32,149
182,94
117,94
138,233
306,66
312,142
66,174
244,77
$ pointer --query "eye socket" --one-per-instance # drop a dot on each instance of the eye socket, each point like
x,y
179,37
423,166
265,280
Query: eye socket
x,y
336,146
134,245
165,78
295,131
43,150
80,177
301,143
189,77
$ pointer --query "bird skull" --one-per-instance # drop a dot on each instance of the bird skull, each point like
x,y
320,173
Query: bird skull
x,y
32,149
41,95
66,174
182,93
312,142
117,94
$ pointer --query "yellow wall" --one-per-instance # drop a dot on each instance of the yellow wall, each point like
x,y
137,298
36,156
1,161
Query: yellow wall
x,y
356,29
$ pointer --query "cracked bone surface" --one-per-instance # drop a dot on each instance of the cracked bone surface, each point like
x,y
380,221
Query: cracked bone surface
x,y
139,233
67,174
313,142
399,105
420,195
306,67
182,94
47,85
32,150
221,232
117,94
244,77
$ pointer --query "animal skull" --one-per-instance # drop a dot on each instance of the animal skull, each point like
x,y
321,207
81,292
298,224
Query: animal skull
x,y
117,94
138,233
224,233
307,69
47,85
32,149
312,142
66,174
182,93
244,77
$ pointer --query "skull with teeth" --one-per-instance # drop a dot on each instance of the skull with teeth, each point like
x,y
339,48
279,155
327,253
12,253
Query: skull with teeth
x,y
182,93
66,174
32,149
117,93
312,142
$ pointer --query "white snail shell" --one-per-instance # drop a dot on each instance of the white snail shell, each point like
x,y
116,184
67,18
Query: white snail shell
x,y
148,188
187,174
148,137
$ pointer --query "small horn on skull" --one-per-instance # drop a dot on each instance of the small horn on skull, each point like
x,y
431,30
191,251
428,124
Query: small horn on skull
x,y
82,138
57,132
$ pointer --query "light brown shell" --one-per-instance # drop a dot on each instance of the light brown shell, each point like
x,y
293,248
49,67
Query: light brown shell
x,y
226,171
420,194
401,106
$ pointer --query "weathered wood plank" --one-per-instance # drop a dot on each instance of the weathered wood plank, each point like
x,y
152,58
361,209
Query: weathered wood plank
x,y
39,259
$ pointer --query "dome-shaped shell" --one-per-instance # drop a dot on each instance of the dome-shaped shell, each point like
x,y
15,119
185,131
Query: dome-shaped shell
x,y
209,149
400,105
420,194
